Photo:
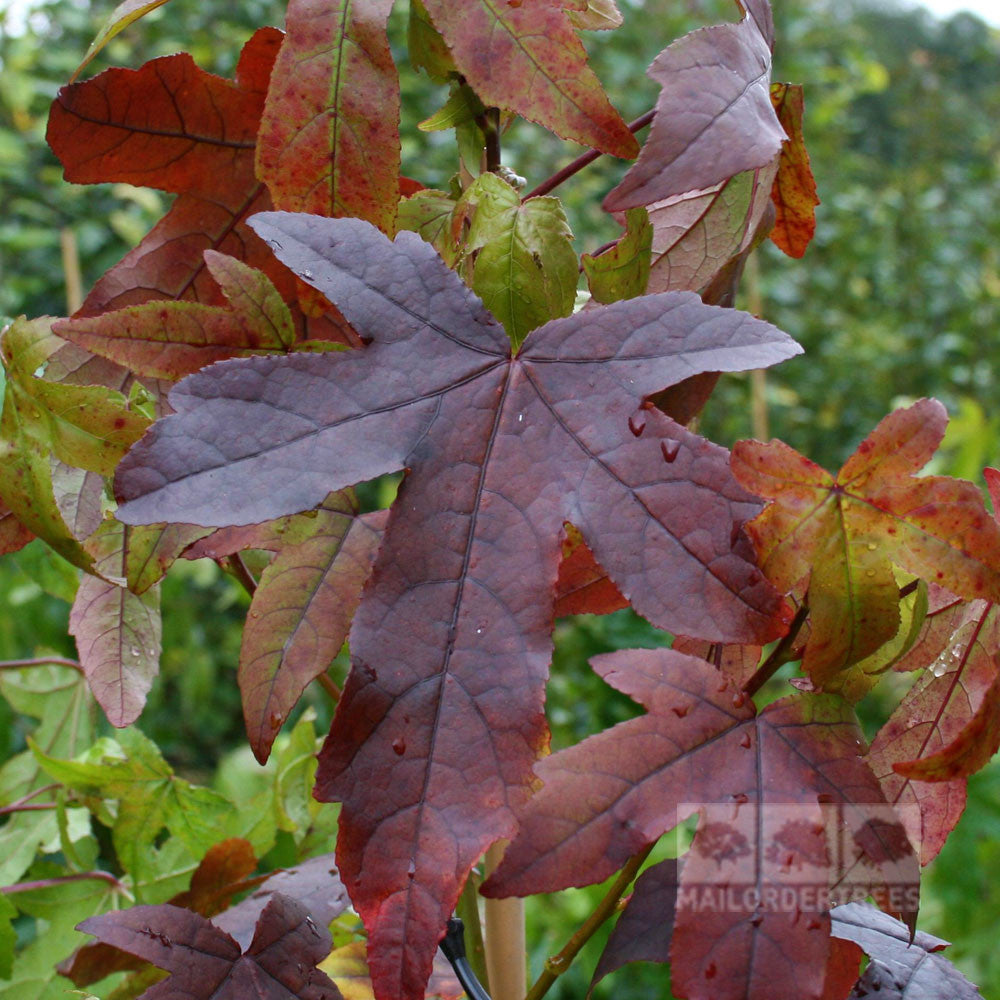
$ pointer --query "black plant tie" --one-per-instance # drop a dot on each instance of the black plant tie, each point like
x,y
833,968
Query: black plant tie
x,y
453,947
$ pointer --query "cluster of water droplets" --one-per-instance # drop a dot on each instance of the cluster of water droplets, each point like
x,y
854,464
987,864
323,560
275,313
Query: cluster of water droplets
x,y
948,660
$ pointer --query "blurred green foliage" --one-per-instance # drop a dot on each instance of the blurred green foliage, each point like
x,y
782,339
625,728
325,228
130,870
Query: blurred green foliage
x,y
898,297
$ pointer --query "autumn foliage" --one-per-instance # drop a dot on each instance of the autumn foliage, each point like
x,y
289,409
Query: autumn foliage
x,y
305,319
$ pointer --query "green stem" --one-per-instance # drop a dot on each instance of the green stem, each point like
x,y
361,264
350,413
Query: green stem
x,y
558,964
326,682
468,912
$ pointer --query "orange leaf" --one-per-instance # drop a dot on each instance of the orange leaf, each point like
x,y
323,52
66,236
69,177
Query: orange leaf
x,y
794,190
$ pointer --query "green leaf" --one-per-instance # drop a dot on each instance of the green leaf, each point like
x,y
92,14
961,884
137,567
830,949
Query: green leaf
x,y
8,938
860,678
60,698
118,20
86,426
427,49
153,548
463,105
150,797
428,213
623,271
521,261
44,424
294,776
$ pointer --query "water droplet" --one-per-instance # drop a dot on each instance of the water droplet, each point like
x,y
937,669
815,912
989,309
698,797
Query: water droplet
x,y
872,546
814,924
757,919
555,964
869,573
479,631
740,798
520,418
399,746
411,869
670,449
637,423
135,652
723,686
710,970
745,741
739,699
307,274
681,710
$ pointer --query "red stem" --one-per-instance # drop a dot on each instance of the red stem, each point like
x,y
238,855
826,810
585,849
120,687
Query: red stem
x,y
39,661
583,160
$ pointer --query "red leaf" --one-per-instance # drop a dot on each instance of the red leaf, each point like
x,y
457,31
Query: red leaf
x,y
300,613
314,885
453,637
947,725
167,340
644,930
13,534
842,532
794,191
583,588
206,963
751,914
737,663
329,138
697,233
117,632
220,874
714,117
171,125
527,58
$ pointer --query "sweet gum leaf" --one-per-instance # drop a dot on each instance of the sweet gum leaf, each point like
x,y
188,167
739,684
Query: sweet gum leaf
x,y
697,233
714,117
622,272
126,13
844,533
168,340
452,640
205,962
329,135
172,126
794,190
117,632
528,59
903,964
757,781
520,259
301,612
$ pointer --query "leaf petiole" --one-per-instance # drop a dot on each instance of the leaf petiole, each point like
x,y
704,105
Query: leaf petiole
x,y
583,160
559,963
